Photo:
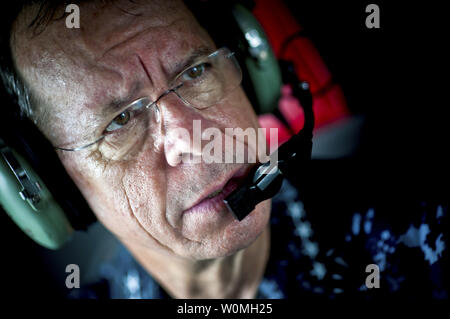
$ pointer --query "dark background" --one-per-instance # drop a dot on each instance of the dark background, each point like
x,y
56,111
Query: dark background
x,y
394,75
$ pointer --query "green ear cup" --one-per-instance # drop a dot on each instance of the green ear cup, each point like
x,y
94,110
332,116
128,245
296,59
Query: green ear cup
x,y
262,65
44,220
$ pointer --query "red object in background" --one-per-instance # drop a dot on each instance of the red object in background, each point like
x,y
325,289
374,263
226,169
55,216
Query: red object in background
x,y
329,103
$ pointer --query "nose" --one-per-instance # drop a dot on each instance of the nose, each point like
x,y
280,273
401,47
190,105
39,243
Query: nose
x,y
181,128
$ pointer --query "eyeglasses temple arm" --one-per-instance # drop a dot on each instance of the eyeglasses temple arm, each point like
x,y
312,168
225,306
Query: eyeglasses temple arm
x,y
266,179
81,147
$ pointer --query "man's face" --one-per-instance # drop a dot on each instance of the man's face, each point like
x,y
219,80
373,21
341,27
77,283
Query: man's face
x,y
148,198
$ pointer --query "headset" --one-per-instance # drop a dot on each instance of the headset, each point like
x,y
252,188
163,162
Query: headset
x,y
40,197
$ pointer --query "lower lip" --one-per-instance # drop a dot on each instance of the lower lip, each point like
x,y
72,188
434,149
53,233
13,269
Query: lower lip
x,y
214,204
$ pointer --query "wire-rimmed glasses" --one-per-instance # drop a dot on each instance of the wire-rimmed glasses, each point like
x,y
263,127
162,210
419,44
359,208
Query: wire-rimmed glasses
x,y
201,85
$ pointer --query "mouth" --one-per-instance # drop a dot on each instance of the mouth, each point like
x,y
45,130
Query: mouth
x,y
212,198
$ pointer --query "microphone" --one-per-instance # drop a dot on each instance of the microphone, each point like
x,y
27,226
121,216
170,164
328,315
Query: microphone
x,y
265,180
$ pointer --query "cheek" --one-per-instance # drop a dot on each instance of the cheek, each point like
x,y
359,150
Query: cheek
x,y
145,188
236,111
116,194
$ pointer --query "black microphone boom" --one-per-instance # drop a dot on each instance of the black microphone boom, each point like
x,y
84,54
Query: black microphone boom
x,y
265,180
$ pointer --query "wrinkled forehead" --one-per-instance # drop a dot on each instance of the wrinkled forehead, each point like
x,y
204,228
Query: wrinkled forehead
x,y
82,66
103,25
104,28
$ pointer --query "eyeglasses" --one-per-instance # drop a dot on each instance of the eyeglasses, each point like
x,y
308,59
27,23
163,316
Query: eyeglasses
x,y
201,85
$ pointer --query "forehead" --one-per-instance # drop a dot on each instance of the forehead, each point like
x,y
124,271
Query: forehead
x,y
76,69
103,26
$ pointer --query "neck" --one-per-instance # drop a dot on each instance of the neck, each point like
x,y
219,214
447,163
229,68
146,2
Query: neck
x,y
234,276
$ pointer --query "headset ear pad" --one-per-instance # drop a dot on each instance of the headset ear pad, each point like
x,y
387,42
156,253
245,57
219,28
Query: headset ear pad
x,y
233,25
260,61
35,189
43,221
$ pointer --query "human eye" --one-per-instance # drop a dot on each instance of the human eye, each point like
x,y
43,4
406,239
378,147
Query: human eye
x,y
128,115
196,72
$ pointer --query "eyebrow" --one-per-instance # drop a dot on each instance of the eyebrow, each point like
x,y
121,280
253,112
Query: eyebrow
x,y
120,102
200,52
